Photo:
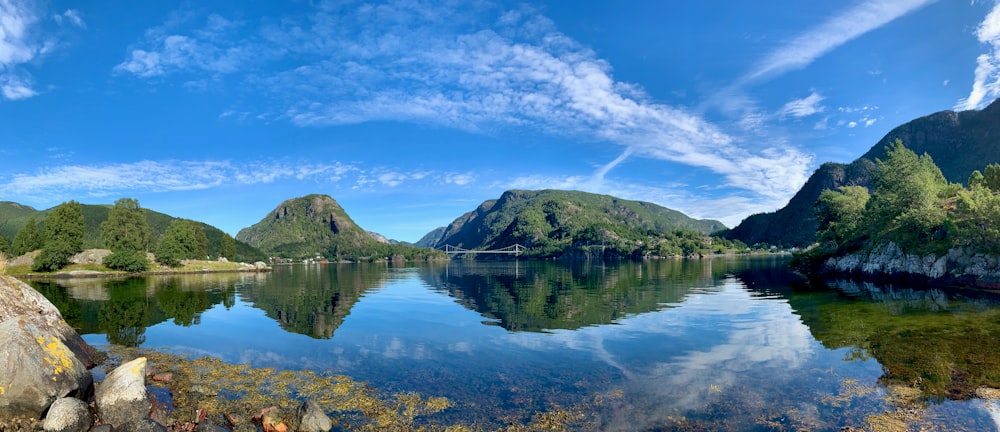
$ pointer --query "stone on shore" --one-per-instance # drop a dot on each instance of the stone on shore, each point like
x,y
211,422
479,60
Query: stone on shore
x,y
68,415
121,397
43,358
312,418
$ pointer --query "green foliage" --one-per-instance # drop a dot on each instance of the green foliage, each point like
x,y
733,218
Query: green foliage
x,y
126,260
227,247
28,238
991,177
181,241
126,229
913,205
572,224
4,246
840,213
63,237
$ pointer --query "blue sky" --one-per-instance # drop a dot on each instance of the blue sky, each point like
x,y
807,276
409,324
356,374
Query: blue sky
x,y
411,113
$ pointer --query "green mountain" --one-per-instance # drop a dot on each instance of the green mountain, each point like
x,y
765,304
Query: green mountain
x,y
554,222
959,142
316,225
14,216
304,227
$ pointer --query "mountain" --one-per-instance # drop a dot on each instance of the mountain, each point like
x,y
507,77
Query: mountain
x,y
552,221
304,227
14,216
959,143
316,225
431,239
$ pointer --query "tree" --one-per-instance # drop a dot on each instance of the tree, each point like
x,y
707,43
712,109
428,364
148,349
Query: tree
x,y
179,242
126,228
976,179
128,235
228,247
991,177
63,237
840,213
27,239
906,194
4,246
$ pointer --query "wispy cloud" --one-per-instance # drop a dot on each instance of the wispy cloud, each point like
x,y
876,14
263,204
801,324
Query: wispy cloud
x,y
805,48
986,85
396,62
22,40
71,181
804,107
17,47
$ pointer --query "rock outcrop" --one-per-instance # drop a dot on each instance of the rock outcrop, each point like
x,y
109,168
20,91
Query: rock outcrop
x,y
960,265
43,358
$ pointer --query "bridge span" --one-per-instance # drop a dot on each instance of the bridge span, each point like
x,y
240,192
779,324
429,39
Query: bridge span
x,y
509,250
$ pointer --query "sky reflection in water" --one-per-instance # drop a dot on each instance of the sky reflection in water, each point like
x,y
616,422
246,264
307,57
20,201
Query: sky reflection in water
x,y
714,341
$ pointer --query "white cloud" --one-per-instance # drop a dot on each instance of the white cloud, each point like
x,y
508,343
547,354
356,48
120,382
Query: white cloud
x,y
17,46
804,107
398,63
986,84
71,181
206,49
802,50
71,16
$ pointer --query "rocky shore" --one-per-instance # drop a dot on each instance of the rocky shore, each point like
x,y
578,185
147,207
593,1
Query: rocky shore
x,y
959,266
46,381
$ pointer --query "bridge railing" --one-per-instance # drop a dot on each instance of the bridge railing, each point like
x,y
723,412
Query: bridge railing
x,y
509,250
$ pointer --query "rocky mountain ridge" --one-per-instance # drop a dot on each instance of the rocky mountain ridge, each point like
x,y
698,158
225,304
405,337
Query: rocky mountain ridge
x,y
959,142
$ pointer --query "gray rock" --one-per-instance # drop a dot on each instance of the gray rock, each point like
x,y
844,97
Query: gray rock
x,y
140,425
312,418
43,358
102,428
68,415
122,396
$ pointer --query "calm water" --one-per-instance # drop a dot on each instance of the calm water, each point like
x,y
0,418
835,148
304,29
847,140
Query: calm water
x,y
726,344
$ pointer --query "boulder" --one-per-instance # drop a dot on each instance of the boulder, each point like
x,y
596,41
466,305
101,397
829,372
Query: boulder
x,y
68,415
43,358
312,418
90,256
121,397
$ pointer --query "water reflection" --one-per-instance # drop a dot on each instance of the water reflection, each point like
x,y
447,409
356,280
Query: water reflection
x,y
122,309
539,296
944,342
314,300
724,344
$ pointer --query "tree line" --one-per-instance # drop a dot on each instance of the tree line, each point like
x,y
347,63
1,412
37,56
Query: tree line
x,y
912,205
126,233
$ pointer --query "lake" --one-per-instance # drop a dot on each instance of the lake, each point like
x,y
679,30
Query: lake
x,y
713,344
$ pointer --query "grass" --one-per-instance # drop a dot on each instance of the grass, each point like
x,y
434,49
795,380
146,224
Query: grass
x,y
187,266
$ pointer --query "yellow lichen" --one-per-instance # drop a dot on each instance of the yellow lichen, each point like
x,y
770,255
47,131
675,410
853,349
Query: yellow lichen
x,y
56,355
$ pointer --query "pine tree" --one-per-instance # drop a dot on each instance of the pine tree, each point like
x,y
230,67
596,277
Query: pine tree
x,y
63,237
127,234
228,247
27,239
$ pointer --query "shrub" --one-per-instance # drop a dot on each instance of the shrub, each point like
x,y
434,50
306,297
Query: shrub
x,y
130,261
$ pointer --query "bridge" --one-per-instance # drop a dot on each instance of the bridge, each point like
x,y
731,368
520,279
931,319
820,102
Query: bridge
x,y
509,250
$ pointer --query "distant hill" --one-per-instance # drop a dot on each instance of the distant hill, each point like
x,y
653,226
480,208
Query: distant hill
x,y
305,226
959,143
431,239
317,225
553,221
14,216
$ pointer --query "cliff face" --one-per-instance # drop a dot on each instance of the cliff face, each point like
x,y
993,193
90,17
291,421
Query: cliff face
x,y
958,266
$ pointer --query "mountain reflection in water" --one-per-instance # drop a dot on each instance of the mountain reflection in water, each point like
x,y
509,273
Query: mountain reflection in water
x,y
716,344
